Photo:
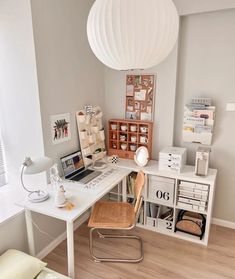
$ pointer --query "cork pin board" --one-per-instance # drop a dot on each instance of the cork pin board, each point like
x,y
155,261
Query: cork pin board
x,y
140,91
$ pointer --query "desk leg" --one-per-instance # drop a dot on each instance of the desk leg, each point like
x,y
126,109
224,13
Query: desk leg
x,y
124,189
70,249
30,236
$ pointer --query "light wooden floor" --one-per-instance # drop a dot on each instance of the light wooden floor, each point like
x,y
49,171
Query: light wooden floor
x,y
164,258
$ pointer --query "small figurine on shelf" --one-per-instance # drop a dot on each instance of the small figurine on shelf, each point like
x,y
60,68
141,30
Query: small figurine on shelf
x,y
58,188
60,199
54,177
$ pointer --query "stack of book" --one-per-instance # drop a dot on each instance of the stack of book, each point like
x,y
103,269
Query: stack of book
x,y
172,158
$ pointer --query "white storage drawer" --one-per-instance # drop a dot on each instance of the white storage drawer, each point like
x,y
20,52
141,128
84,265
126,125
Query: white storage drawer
x,y
161,190
193,196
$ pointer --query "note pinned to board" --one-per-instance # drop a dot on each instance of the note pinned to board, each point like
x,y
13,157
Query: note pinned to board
x,y
130,90
140,91
140,95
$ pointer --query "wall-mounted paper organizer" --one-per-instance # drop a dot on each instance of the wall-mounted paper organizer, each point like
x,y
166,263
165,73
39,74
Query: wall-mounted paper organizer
x,y
199,117
91,134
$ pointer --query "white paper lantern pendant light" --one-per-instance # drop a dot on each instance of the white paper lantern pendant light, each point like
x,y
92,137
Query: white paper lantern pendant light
x,y
132,34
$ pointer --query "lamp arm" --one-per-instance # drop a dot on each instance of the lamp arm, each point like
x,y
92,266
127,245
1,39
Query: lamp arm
x,y
22,182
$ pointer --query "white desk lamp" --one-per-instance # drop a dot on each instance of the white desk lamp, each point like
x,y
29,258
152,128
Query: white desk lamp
x,y
34,166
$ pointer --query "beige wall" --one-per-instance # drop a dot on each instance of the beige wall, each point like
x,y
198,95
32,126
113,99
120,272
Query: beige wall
x,y
164,99
13,234
69,77
69,74
207,68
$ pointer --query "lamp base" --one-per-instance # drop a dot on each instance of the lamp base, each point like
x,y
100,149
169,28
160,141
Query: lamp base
x,y
38,196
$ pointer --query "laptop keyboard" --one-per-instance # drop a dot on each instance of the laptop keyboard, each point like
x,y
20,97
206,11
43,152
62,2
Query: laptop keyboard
x,y
81,175
98,184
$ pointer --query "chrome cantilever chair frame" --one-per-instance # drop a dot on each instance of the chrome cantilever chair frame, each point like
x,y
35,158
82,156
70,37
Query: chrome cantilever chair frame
x,y
101,235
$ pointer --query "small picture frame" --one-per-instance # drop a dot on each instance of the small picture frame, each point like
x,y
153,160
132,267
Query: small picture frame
x,y
60,128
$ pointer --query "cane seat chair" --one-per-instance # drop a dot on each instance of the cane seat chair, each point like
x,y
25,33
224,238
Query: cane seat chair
x,y
117,216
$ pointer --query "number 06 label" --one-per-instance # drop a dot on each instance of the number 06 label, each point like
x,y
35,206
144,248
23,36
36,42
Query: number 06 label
x,y
161,191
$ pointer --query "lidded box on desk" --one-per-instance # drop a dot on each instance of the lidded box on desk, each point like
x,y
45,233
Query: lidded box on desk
x,y
172,158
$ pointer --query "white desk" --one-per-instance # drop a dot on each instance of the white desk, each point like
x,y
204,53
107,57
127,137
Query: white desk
x,y
82,200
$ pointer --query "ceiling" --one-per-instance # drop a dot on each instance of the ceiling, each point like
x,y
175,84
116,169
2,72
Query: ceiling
x,y
186,7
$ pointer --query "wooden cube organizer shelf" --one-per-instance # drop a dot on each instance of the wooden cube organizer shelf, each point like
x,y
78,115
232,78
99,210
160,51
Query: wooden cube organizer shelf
x,y
125,136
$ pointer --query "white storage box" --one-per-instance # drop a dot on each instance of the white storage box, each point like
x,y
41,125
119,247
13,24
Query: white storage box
x,y
161,190
151,222
165,225
172,158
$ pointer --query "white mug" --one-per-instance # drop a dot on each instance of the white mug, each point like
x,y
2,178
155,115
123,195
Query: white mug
x,y
113,126
143,129
143,139
123,128
123,146
133,147
133,128
122,138
133,138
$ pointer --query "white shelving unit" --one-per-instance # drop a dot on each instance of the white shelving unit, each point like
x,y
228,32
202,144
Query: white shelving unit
x,y
170,191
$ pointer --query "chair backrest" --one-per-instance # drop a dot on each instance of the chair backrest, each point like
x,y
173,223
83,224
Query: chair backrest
x,y
139,185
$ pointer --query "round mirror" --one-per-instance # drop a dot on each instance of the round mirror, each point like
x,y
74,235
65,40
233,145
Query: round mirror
x,y
141,156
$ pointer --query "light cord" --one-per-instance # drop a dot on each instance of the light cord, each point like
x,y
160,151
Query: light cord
x,y
41,231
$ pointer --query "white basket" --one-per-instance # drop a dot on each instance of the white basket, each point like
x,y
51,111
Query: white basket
x,y
161,190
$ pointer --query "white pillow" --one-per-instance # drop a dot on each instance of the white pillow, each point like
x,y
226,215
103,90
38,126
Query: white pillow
x,y
50,274
15,264
46,275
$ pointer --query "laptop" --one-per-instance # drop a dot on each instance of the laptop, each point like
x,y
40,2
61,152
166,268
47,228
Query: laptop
x,y
74,168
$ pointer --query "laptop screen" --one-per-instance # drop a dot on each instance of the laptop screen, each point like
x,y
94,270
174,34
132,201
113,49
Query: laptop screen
x,y
72,163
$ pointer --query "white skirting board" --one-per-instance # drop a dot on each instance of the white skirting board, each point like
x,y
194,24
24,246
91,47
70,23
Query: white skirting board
x,y
223,223
42,254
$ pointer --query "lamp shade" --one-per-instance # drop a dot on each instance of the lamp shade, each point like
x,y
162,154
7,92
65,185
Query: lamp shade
x,y
132,34
37,165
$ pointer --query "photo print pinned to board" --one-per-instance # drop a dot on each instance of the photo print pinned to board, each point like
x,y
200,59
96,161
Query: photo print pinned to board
x,y
140,91
60,128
